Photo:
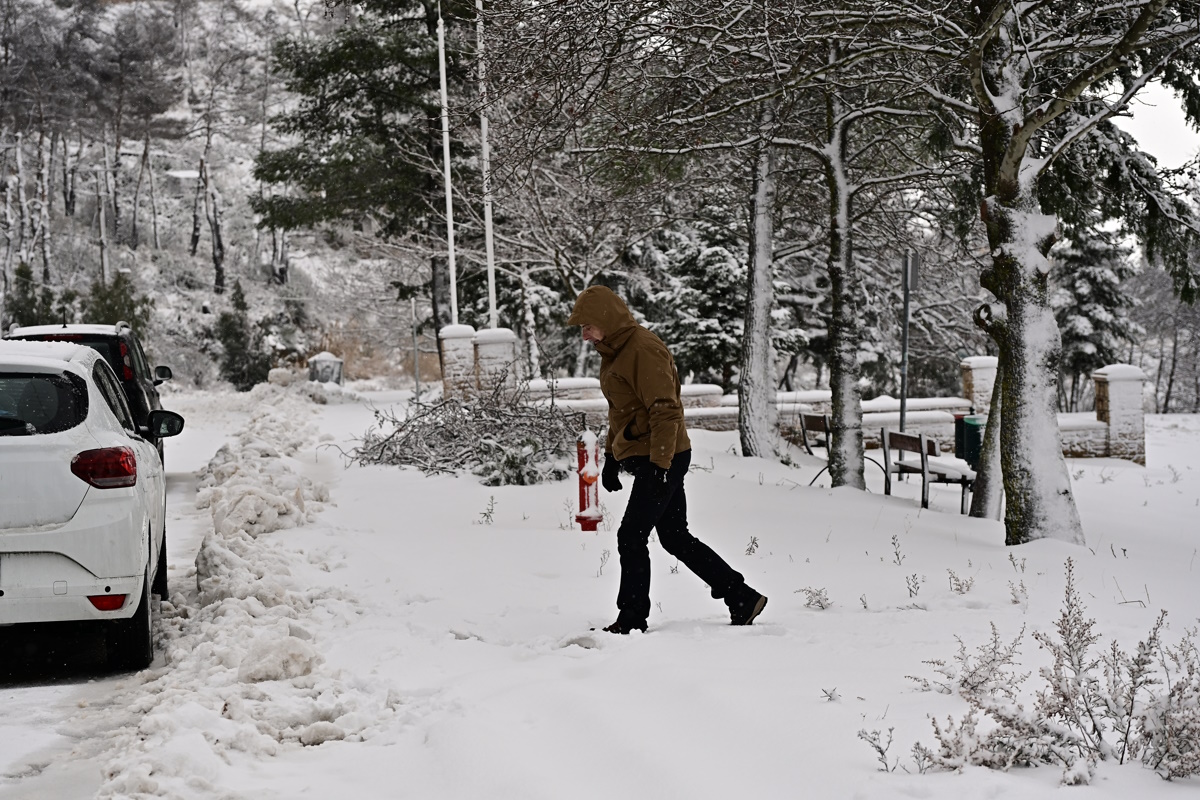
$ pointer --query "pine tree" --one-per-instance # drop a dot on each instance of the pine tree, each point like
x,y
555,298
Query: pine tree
x,y
116,302
244,363
31,304
366,123
698,304
1091,308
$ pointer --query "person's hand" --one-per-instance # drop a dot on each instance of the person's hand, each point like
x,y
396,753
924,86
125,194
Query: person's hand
x,y
610,476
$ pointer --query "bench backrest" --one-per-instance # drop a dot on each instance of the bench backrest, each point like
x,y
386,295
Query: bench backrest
x,y
910,443
814,429
815,423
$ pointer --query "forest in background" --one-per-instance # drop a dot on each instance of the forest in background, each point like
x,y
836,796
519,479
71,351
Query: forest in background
x,y
156,154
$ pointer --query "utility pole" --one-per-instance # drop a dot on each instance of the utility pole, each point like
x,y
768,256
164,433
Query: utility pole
x,y
486,157
908,280
441,31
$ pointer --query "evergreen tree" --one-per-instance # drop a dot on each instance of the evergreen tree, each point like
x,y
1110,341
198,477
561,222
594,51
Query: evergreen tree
x,y
31,304
366,124
698,301
244,363
117,301
1091,307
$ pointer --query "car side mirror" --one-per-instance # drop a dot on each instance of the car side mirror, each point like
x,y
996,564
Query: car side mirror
x,y
162,374
164,424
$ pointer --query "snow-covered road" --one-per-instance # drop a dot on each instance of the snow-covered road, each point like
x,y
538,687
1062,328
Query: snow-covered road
x,y
375,633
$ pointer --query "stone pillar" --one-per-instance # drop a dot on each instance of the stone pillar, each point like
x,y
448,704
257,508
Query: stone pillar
x,y
495,356
458,361
1119,405
978,380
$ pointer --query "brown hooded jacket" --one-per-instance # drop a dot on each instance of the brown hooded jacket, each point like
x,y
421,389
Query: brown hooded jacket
x,y
638,378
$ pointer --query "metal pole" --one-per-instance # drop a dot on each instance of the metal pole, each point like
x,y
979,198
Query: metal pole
x,y
441,31
486,156
906,269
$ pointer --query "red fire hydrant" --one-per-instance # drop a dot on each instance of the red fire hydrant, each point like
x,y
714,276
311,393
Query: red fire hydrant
x,y
589,475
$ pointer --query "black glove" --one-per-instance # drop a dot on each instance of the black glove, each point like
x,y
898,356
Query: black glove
x,y
656,476
610,475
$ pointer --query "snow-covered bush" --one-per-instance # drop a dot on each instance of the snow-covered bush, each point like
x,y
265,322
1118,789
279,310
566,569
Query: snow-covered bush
x,y
1095,706
496,435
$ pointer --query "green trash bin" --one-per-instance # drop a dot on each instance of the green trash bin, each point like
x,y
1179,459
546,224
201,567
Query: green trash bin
x,y
973,428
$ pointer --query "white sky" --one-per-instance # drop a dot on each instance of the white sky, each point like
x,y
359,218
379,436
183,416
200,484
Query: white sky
x,y
1159,126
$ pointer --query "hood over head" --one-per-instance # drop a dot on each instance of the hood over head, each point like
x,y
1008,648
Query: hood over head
x,y
600,306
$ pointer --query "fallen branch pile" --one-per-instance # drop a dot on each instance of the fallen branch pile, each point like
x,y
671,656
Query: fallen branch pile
x,y
497,436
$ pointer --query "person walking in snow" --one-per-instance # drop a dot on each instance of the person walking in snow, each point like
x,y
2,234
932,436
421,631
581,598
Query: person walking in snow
x,y
647,438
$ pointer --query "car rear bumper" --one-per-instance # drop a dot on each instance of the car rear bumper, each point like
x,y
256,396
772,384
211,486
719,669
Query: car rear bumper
x,y
106,537
38,587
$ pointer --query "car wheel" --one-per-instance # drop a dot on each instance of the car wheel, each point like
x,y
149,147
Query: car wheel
x,y
160,576
129,643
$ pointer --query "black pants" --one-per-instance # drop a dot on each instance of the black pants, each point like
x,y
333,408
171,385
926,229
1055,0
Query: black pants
x,y
663,509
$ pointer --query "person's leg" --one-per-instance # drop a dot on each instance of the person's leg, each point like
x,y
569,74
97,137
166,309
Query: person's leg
x,y
642,513
725,583
722,579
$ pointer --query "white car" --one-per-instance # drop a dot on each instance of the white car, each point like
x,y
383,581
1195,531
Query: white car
x,y
82,497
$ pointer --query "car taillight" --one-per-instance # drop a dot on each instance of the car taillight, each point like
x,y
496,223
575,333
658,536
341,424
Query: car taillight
x,y
107,602
106,468
126,364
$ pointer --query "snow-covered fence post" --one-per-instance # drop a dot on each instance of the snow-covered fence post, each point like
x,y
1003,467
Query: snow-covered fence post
x,y
1119,405
589,515
495,357
458,360
978,380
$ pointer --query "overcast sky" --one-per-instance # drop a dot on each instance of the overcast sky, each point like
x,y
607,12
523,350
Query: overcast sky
x,y
1160,128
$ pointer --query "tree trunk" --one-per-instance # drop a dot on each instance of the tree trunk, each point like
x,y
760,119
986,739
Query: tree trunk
x,y
197,203
846,448
70,170
104,274
756,390
212,210
43,192
137,194
110,189
24,218
6,267
1166,406
1037,488
153,206
1040,504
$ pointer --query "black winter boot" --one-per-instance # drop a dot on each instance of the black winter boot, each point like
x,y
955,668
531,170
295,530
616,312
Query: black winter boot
x,y
622,626
746,606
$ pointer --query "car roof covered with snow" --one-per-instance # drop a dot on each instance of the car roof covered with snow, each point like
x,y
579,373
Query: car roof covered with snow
x,y
44,356
84,328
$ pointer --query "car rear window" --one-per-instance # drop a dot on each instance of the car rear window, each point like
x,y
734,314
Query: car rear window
x,y
107,346
40,403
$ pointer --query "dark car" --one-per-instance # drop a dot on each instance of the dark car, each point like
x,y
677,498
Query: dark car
x,y
121,349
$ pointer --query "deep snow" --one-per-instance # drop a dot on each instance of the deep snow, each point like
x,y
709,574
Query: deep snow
x,y
374,633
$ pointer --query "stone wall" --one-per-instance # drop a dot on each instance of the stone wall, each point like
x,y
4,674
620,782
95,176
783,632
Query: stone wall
x,y
1116,430
473,360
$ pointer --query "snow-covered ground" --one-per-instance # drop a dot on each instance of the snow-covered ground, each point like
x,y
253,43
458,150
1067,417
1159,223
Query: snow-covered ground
x,y
374,633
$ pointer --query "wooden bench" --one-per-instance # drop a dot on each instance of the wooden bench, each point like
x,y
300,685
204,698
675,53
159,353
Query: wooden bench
x,y
928,464
815,431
